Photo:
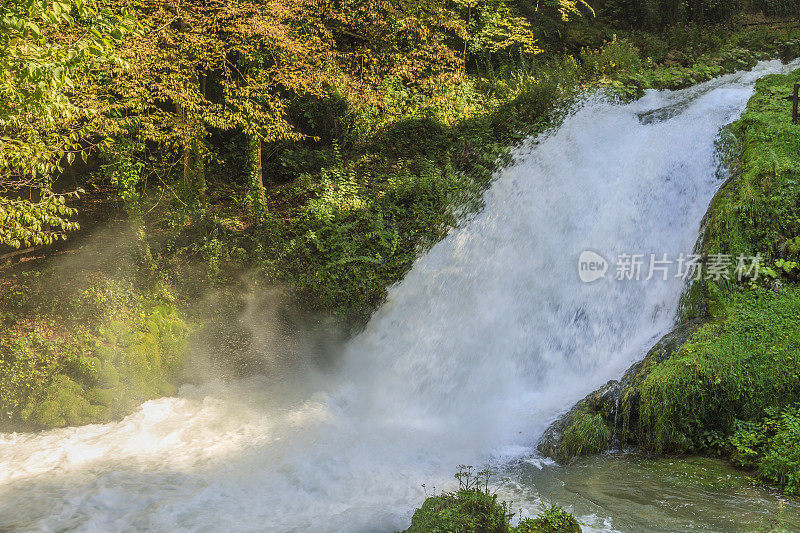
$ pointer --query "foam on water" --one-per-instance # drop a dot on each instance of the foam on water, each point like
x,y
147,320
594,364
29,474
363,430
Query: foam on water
x,y
488,337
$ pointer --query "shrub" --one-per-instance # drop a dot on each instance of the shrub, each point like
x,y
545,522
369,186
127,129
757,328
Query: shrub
x,y
771,446
617,56
554,519
474,508
86,352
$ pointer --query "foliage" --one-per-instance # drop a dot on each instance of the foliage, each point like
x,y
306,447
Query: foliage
x,y
49,52
617,56
171,102
474,509
771,446
124,171
554,519
661,13
493,26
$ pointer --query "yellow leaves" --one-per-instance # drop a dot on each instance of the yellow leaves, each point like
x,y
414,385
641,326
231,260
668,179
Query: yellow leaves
x,y
570,8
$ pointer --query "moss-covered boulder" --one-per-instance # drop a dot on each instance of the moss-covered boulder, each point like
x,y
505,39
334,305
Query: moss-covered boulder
x,y
479,511
61,365
466,511
599,420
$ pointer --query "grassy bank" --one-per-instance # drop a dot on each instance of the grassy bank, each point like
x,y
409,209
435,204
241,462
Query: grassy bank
x,y
728,382
736,383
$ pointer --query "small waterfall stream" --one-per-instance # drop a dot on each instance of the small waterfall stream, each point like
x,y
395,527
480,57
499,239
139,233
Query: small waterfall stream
x,y
488,337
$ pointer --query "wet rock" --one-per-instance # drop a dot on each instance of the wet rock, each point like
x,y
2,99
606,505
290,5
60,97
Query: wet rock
x,y
603,418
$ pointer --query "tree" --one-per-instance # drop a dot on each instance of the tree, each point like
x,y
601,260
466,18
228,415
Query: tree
x,y
47,51
230,65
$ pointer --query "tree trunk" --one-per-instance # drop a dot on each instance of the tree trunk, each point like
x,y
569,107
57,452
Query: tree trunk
x,y
194,177
256,173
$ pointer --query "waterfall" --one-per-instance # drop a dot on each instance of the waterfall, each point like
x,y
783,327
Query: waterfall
x,y
490,336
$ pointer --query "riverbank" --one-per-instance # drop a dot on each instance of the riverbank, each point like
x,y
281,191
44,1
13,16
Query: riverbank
x,y
725,383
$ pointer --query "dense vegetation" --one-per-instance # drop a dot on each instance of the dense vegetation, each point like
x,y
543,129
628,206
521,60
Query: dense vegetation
x,y
740,374
83,341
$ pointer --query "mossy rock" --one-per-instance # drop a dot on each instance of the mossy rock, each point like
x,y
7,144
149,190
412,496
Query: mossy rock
x,y
588,434
107,377
479,511
466,511
611,412
105,397
145,350
105,353
64,403
83,368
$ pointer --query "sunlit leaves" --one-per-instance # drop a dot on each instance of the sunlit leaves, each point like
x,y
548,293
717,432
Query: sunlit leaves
x,y
47,50
25,223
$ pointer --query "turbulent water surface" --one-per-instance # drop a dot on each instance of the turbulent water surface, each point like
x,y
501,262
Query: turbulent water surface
x,y
489,336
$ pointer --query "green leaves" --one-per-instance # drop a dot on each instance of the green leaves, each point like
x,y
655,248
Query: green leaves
x,y
25,223
770,446
48,60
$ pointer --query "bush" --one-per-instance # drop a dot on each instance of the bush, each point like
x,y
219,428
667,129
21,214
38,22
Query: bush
x,y
466,511
552,520
617,56
475,509
771,446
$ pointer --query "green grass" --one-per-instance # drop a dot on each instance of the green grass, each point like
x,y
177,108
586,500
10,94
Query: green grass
x,y
587,434
757,212
734,368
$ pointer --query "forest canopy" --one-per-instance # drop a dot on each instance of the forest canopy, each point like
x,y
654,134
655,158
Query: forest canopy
x,y
146,87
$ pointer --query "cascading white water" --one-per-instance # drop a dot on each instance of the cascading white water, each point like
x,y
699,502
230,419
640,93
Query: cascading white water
x,y
488,337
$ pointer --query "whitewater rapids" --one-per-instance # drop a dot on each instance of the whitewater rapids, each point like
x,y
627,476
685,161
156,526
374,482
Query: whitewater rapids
x,y
489,336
